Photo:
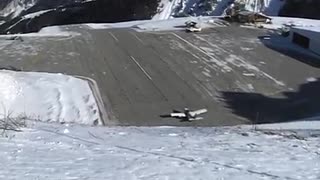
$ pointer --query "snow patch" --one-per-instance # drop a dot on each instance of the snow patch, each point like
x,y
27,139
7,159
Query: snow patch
x,y
51,31
250,86
249,74
246,49
66,131
36,14
311,79
47,97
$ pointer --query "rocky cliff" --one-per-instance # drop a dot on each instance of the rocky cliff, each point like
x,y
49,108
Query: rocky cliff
x,y
59,12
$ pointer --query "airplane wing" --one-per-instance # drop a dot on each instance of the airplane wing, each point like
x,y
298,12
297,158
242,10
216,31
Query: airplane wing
x,y
177,115
198,112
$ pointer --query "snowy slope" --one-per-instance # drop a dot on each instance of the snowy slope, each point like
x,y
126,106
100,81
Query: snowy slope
x,y
182,8
173,8
269,7
47,97
48,151
165,9
15,7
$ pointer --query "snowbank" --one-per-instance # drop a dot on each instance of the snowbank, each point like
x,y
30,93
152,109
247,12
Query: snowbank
x,y
36,14
49,151
47,97
278,22
54,31
162,25
51,31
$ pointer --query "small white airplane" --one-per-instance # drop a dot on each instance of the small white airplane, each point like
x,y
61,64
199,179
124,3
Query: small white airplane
x,y
188,115
192,26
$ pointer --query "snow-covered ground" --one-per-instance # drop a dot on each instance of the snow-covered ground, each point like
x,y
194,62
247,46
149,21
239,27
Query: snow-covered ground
x,y
278,22
51,31
47,97
162,25
51,151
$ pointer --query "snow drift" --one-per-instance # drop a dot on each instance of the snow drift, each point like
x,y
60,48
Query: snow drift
x,y
47,97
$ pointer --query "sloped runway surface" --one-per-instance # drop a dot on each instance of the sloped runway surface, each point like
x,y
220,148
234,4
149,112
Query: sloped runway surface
x,y
144,75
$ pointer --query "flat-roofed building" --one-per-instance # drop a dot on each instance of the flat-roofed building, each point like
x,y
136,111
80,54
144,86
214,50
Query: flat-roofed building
x,y
307,37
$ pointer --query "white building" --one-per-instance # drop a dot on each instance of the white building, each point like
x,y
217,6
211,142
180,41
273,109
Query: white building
x,y
307,37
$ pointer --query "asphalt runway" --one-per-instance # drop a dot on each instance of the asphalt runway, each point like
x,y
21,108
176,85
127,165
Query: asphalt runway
x,y
144,75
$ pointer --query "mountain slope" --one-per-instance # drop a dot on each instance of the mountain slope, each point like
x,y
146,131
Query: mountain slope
x,y
14,16
71,12
13,8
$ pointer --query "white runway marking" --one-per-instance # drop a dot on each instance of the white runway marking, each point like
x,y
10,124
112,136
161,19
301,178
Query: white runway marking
x,y
113,36
137,38
144,71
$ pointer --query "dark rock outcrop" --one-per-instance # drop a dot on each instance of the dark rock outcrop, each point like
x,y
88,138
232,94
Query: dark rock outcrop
x,y
73,12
